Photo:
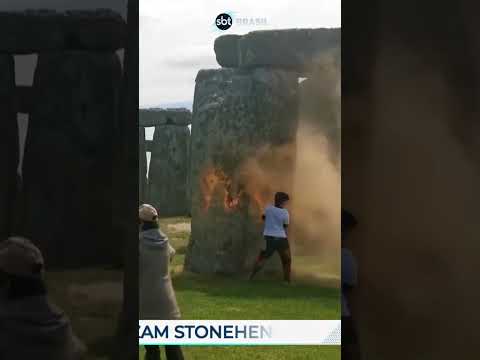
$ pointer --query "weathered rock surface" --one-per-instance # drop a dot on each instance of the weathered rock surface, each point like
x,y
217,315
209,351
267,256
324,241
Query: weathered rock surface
x,y
148,145
142,166
291,49
8,145
189,173
167,176
226,50
36,31
155,117
68,158
100,30
236,114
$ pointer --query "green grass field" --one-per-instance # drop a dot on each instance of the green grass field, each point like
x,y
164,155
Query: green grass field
x,y
216,297
260,353
92,299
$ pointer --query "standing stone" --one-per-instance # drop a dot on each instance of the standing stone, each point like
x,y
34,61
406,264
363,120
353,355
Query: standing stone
x,y
8,145
125,211
189,174
168,170
142,166
237,115
68,158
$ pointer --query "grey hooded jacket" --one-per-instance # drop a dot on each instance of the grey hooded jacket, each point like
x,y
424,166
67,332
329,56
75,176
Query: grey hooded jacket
x,y
32,328
157,297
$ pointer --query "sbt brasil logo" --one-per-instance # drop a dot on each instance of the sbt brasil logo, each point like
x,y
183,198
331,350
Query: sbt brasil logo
x,y
194,332
224,21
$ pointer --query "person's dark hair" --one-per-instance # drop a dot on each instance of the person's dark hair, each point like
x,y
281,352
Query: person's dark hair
x,y
281,198
20,287
147,225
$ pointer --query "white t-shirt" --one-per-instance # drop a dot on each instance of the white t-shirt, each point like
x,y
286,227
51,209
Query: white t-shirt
x,y
275,219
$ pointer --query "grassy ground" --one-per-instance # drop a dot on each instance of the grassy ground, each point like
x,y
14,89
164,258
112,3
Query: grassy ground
x,y
214,297
260,353
92,299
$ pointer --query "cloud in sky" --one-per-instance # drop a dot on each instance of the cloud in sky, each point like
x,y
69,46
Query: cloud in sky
x,y
176,38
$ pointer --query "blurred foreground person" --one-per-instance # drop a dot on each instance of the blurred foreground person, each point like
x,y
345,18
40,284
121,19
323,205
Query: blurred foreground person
x,y
157,297
30,326
350,348
276,220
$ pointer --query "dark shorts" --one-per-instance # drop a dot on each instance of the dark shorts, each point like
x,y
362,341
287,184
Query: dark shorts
x,y
275,244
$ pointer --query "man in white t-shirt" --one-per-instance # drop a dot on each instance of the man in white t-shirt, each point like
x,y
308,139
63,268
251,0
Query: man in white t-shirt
x,y
276,220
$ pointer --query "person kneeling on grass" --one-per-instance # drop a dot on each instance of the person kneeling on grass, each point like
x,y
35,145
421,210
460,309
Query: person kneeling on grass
x,y
157,297
30,326
275,232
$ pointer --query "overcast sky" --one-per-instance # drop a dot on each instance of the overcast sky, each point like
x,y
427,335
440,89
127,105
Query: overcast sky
x,y
176,38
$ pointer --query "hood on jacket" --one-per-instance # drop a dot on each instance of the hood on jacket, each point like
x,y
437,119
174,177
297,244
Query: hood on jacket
x,y
154,238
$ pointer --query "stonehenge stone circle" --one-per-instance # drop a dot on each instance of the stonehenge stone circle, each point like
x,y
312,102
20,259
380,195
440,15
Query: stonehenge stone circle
x,y
67,171
167,176
253,103
235,114
62,196
169,162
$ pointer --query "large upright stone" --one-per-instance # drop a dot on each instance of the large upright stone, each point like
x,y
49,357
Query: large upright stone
x,y
167,177
8,145
142,166
189,174
291,49
68,158
238,116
